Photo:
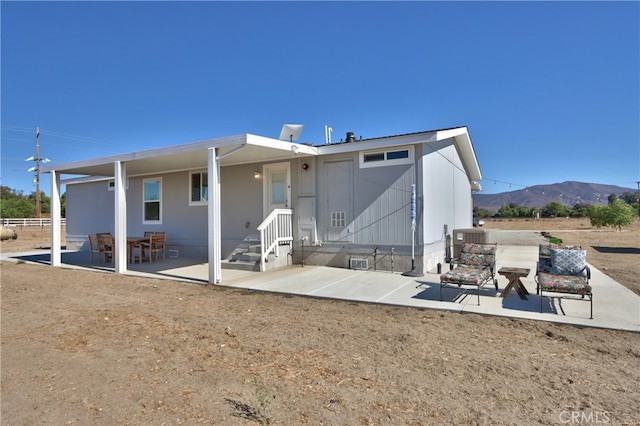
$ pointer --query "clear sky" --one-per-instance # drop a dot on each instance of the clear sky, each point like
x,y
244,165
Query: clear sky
x,y
550,91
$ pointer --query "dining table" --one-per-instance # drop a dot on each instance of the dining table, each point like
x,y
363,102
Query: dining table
x,y
132,243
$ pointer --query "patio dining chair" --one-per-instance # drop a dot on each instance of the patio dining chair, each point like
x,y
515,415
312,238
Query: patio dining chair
x,y
106,246
94,248
155,246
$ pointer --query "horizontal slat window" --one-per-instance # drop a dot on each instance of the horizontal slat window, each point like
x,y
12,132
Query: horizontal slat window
x,y
388,157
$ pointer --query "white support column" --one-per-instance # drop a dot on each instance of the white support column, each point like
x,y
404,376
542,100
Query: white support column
x,y
120,215
214,221
56,252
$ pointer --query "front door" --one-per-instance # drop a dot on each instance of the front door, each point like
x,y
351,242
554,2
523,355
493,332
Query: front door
x,y
277,187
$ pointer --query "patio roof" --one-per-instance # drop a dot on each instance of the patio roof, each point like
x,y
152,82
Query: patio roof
x,y
232,150
248,148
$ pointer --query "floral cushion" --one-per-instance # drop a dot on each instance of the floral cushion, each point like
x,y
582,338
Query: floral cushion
x,y
544,264
472,259
563,283
568,262
466,275
544,250
478,254
479,248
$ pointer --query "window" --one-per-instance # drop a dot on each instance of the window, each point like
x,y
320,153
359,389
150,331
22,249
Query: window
x,y
368,158
152,201
395,155
199,189
279,187
390,157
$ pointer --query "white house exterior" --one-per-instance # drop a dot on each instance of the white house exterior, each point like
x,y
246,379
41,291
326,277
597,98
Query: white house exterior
x,y
343,201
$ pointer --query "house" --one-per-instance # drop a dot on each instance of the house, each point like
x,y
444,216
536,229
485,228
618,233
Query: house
x,y
345,204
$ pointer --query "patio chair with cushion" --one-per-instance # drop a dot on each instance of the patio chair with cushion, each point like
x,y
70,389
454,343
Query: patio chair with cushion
x,y
475,267
563,269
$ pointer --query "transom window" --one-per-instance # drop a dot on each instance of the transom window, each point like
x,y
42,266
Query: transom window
x,y
152,201
198,188
388,157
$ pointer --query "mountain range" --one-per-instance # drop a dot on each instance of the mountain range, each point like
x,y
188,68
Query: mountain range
x,y
568,193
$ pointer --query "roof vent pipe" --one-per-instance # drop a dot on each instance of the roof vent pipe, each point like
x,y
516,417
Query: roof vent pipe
x,y
350,137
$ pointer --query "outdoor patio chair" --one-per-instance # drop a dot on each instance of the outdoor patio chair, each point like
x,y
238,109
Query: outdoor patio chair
x,y
563,269
106,246
475,267
94,248
155,246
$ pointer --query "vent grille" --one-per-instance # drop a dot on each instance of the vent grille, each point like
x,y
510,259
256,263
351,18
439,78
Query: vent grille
x,y
359,264
173,253
338,219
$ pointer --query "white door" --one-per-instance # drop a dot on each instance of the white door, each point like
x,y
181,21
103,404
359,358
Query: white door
x,y
277,187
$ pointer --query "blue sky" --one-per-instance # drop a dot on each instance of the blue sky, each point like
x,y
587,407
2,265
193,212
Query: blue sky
x,y
550,91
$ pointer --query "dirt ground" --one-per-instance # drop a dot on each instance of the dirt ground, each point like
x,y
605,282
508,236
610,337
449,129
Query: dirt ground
x,y
97,348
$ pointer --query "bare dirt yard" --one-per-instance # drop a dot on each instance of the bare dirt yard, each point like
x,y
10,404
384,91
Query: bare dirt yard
x,y
97,348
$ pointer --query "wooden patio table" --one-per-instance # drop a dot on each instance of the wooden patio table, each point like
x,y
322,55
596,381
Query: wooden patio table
x,y
132,242
514,275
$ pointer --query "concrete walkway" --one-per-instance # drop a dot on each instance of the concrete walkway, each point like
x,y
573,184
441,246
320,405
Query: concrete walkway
x,y
614,306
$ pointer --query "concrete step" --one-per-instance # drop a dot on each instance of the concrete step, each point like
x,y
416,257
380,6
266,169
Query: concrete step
x,y
246,257
240,265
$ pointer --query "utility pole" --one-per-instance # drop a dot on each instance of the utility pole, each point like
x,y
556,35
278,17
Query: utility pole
x,y
38,160
38,208
638,198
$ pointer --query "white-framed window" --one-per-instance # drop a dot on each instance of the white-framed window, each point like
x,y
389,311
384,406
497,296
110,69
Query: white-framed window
x,y
152,201
386,157
198,188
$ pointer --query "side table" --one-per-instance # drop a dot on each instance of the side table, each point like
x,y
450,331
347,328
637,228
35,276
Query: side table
x,y
514,275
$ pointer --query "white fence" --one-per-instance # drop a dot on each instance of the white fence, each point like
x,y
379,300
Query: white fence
x,y
30,221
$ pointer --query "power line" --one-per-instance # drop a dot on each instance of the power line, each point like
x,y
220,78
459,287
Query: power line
x,y
63,135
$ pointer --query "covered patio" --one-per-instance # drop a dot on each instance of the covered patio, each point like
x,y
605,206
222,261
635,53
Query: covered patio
x,y
210,155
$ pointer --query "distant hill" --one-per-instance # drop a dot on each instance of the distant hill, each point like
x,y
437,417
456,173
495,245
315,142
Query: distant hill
x,y
568,193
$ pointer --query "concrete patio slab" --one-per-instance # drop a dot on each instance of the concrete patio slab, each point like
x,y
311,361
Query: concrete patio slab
x,y
614,305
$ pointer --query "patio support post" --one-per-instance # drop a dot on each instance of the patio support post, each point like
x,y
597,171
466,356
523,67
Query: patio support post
x,y
214,221
56,256
120,215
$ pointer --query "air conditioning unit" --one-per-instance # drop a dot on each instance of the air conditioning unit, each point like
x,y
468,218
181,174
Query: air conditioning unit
x,y
471,235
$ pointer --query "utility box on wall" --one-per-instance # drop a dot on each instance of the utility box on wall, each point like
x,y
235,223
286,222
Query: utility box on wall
x,y
471,235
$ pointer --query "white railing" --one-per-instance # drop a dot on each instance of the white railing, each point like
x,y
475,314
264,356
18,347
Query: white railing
x,y
277,228
31,221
